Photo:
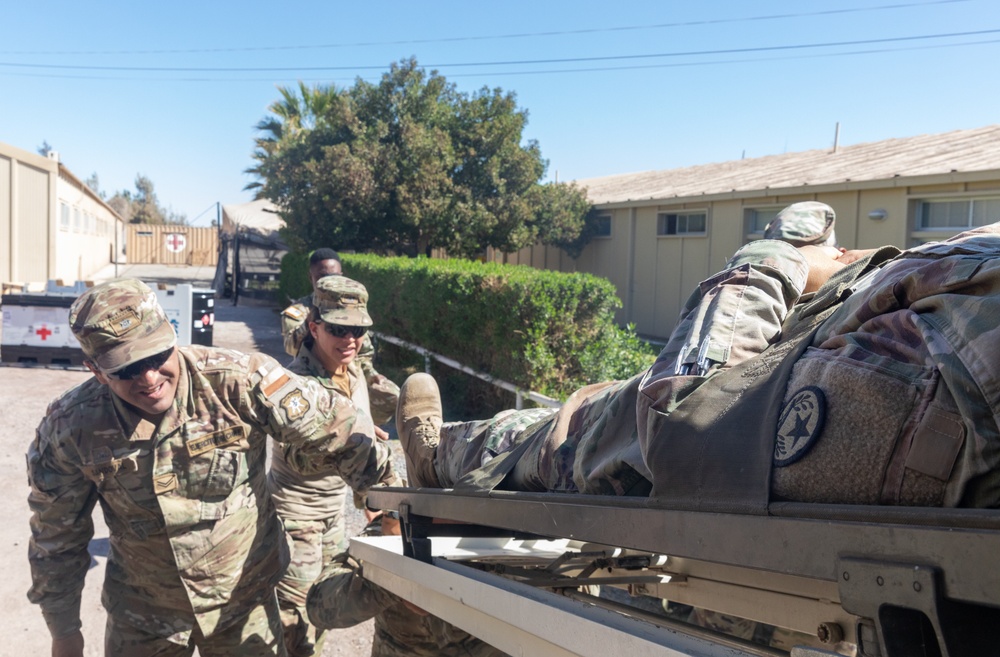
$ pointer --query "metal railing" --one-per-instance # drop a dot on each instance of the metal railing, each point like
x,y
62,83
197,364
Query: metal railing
x,y
520,393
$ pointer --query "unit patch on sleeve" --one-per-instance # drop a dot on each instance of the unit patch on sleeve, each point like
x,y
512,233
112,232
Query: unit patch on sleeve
x,y
799,425
295,405
273,381
296,312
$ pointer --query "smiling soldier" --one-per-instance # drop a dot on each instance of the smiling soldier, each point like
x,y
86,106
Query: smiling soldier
x,y
171,442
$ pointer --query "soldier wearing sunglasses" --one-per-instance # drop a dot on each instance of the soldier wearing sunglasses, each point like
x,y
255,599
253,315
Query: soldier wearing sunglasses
x,y
170,441
310,502
312,505
382,392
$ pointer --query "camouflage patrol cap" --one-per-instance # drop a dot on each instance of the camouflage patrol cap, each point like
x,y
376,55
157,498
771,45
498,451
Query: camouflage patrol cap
x,y
341,300
804,223
119,323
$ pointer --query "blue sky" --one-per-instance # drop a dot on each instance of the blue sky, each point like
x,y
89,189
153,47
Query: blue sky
x,y
640,85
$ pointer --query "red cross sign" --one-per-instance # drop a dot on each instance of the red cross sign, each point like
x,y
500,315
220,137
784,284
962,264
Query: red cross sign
x,y
44,332
176,242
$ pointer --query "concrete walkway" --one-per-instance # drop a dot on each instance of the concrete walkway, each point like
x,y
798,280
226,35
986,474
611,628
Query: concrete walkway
x,y
198,276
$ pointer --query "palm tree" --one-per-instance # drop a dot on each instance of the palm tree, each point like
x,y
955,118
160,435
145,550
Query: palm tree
x,y
297,111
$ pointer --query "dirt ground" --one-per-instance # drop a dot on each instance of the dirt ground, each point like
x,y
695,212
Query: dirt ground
x,y
24,395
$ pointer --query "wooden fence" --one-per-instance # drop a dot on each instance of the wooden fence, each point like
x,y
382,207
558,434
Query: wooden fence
x,y
171,245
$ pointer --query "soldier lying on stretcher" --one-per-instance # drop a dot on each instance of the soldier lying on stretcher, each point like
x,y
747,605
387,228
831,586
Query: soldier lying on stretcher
x,y
866,378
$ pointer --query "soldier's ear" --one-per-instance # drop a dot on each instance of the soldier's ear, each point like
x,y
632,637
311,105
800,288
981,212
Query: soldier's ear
x,y
98,374
314,329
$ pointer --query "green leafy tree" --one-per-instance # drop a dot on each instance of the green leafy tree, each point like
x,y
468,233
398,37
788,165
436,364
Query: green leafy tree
x,y
143,206
408,164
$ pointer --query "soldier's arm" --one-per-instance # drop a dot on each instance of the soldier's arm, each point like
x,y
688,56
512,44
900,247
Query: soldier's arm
x,y
342,597
737,313
294,327
383,393
298,410
61,501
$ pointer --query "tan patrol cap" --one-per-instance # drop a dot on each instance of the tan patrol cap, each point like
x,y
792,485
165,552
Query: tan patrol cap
x,y
341,300
809,222
119,323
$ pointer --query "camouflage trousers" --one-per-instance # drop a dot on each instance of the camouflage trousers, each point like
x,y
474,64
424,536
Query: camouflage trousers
x,y
467,446
313,543
589,445
257,635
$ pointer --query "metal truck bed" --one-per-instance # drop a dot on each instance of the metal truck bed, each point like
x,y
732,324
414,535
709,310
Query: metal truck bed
x,y
890,581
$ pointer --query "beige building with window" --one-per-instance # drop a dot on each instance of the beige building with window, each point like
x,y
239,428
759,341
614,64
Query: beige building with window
x,y
52,226
665,231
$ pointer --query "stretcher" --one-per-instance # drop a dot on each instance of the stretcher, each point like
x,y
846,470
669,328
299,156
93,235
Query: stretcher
x,y
519,570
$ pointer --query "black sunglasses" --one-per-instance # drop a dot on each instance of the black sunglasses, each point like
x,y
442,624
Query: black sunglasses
x,y
338,331
129,372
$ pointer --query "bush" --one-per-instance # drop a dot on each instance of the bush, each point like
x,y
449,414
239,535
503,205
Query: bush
x,y
546,331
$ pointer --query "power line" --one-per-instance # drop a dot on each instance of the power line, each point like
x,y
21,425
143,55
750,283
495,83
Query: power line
x,y
717,62
523,62
495,37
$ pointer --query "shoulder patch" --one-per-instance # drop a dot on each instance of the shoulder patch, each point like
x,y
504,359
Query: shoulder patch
x,y
272,381
294,404
275,385
295,312
799,425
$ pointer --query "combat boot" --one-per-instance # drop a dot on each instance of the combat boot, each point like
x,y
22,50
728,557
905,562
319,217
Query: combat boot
x,y
418,423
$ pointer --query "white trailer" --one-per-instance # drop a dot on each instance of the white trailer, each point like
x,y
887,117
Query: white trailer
x,y
510,568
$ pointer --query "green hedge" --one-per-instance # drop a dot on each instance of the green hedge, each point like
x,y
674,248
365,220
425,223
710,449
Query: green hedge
x,y
546,331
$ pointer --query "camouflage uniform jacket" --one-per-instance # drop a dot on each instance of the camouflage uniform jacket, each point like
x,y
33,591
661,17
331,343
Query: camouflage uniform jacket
x,y
908,371
730,318
893,399
310,497
194,539
382,394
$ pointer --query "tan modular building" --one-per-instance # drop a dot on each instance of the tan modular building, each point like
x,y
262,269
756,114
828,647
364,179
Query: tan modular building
x,y
665,231
171,244
52,226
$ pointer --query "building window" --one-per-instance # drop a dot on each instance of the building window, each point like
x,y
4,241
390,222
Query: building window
x,y
938,219
681,223
602,223
63,217
957,215
755,220
76,220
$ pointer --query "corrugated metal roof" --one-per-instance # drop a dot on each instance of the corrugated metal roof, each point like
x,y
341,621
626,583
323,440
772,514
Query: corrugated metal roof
x,y
956,151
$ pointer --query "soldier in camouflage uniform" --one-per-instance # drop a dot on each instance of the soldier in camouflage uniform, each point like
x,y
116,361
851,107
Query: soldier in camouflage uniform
x,y
732,316
590,444
312,506
305,503
294,329
170,441
383,393
890,399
